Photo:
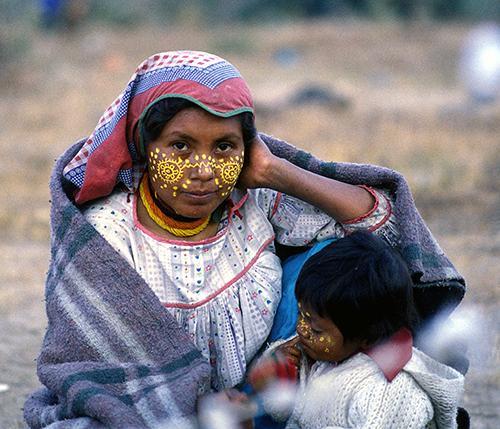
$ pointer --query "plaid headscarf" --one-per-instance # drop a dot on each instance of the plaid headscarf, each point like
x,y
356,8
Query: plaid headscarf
x,y
107,156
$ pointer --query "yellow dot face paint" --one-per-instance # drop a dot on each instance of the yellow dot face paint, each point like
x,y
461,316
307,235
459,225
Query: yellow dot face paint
x,y
319,344
171,172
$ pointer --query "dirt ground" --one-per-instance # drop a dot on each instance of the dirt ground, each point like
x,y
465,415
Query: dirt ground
x,y
394,100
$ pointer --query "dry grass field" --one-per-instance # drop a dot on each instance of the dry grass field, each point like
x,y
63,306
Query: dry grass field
x,y
404,109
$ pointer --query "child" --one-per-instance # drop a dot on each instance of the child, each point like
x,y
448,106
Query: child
x,y
353,348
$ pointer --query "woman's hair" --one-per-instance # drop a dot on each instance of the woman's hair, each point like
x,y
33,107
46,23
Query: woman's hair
x,y
165,109
362,285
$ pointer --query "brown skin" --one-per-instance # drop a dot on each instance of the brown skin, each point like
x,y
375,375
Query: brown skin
x,y
319,338
194,131
322,340
337,199
265,371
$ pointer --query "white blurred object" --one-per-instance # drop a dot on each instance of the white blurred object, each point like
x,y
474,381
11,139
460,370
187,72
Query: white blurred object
x,y
279,398
465,327
216,413
4,387
480,63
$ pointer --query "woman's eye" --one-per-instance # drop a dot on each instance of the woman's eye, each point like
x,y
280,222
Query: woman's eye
x,y
224,147
180,146
315,331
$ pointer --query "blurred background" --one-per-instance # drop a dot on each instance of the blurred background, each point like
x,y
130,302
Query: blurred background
x,y
411,85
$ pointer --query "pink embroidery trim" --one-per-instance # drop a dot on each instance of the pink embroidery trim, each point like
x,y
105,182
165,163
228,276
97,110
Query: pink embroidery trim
x,y
276,203
223,288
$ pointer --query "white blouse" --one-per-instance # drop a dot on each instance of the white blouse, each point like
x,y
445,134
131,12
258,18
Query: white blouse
x,y
224,290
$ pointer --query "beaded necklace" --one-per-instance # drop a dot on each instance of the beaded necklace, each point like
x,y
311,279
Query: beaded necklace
x,y
175,227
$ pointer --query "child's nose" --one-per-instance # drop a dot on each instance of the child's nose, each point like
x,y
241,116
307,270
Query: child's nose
x,y
302,330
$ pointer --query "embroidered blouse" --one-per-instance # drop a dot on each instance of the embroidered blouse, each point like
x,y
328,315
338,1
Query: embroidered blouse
x,y
224,290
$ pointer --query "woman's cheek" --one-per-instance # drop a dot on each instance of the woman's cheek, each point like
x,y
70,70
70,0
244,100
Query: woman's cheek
x,y
227,172
167,172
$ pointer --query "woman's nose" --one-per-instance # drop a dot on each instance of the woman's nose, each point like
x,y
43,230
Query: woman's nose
x,y
202,168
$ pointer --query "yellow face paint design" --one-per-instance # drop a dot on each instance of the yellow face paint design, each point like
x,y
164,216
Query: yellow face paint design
x,y
316,340
169,171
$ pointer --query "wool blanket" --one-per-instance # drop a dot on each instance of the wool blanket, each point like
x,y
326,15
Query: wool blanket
x,y
113,356
438,285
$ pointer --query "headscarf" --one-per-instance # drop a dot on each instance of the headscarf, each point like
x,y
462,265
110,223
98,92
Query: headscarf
x,y
108,155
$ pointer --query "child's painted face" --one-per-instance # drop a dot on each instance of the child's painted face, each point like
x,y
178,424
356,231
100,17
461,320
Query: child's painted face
x,y
321,339
196,161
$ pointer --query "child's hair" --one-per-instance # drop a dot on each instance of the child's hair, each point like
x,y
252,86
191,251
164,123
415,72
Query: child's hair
x,y
362,285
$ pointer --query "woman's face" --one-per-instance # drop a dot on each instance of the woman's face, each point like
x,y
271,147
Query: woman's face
x,y
195,162
321,339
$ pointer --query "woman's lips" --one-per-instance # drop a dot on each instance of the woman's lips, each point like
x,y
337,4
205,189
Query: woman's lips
x,y
200,196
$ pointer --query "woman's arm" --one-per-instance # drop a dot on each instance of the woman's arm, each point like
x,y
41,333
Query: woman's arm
x,y
339,200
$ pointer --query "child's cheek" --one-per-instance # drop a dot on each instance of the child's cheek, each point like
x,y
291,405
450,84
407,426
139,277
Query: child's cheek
x,y
326,344
322,345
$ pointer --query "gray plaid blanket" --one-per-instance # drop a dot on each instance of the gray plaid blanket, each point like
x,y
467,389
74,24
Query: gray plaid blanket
x,y
112,355
438,285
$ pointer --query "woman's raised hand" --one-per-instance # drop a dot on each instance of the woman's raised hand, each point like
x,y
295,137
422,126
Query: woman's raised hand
x,y
341,201
257,169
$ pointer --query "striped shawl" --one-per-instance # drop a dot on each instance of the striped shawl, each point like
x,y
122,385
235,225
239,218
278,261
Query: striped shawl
x,y
112,355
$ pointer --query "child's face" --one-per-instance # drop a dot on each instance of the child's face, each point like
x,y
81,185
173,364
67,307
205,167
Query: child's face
x,y
321,339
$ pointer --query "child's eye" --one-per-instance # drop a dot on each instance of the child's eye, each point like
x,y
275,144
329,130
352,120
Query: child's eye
x,y
315,331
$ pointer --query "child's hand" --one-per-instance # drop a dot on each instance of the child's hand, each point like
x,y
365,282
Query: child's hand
x,y
280,365
290,351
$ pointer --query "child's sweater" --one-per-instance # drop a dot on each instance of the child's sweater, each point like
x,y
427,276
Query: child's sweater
x,y
357,394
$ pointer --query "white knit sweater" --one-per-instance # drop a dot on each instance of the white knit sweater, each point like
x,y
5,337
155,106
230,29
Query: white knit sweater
x,y
356,394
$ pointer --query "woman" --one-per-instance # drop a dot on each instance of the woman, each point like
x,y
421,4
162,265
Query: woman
x,y
188,202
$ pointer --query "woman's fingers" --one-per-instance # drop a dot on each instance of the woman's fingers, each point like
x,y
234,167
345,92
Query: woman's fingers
x,y
257,167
